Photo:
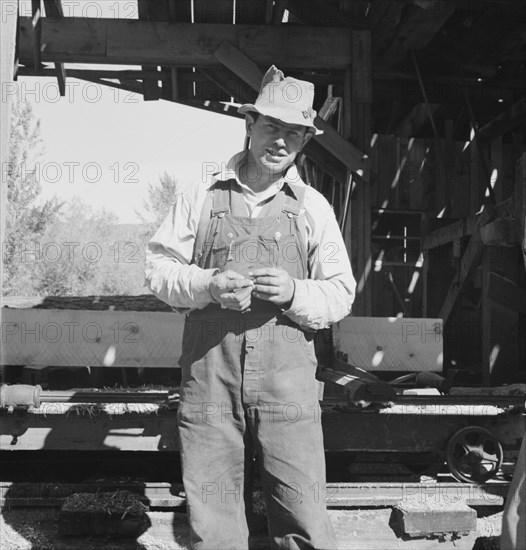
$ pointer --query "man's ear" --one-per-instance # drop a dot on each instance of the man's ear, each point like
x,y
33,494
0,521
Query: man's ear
x,y
249,123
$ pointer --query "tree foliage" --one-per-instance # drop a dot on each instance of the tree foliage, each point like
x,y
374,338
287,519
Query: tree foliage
x,y
61,249
161,197
26,218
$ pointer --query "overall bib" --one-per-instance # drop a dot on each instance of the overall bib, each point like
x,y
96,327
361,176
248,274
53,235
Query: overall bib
x,y
248,389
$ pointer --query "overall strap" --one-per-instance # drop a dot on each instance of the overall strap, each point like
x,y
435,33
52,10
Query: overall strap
x,y
221,202
294,209
215,205
294,203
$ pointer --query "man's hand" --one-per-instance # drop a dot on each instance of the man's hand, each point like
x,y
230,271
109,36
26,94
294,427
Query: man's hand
x,y
273,284
231,290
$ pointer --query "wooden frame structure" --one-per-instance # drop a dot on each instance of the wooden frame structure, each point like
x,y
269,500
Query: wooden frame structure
x,y
423,106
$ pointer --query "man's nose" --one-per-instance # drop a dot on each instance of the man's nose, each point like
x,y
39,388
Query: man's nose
x,y
280,138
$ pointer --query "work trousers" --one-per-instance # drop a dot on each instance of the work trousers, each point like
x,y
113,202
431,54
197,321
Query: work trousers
x,y
249,390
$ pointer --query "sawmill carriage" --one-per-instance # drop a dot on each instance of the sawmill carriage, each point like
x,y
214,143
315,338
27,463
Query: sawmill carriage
x,y
423,158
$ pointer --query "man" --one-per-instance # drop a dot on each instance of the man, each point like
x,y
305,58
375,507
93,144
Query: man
x,y
257,260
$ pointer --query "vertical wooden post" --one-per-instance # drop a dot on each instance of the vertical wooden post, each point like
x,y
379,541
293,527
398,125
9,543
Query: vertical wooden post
x,y
150,86
8,24
357,232
488,358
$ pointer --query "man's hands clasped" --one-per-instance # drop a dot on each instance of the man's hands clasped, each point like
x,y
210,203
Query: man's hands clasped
x,y
234,291
231,290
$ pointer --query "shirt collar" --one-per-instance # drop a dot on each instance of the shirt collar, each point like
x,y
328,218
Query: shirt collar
x,y
230,171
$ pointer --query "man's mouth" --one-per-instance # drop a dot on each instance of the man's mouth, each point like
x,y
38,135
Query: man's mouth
x,y
274,153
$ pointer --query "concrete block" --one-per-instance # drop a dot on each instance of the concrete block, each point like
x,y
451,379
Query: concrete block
x,y
422,518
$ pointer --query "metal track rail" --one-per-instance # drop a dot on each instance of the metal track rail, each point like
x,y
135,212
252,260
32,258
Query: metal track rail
x,y
338,495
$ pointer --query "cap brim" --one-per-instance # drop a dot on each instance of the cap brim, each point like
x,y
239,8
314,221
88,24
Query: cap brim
x,y
250,108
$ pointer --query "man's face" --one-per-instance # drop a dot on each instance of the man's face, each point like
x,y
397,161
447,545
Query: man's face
x,y
275,144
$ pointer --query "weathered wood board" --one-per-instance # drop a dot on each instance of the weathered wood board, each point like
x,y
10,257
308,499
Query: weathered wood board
x,y
390,343
91,338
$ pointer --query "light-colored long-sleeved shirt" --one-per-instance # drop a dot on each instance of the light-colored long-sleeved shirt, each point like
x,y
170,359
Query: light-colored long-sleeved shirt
x,y
322,299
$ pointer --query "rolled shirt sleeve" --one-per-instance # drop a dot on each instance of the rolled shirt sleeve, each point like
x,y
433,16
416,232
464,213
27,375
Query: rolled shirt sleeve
x,y
327,296
168,270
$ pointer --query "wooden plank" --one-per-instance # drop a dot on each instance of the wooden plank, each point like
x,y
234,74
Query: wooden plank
x,y
390,344
329,107
91,338
89,40
468,262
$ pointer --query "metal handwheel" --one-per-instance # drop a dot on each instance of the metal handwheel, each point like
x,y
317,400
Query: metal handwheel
x,y
474,454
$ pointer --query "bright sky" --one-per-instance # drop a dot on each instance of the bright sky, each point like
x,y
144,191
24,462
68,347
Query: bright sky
x,y
105,145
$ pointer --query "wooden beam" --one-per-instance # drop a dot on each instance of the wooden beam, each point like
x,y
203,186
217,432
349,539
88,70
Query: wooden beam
x,y
416,28
389,344
500,232
469,260
320,12
88,40
520,203
151,90
505,122
91,338
385,25
358,239
464,227
36,17
134,86
506,293
415,119
95,73
456,230
54,11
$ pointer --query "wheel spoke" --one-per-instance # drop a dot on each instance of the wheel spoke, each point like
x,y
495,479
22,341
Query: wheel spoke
x,y
474,454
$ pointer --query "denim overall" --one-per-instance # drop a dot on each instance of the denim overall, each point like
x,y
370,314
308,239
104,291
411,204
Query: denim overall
x,y
248,389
